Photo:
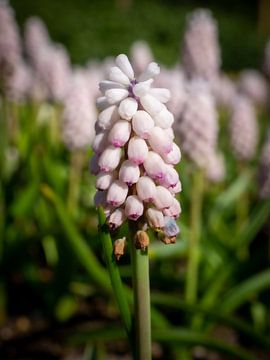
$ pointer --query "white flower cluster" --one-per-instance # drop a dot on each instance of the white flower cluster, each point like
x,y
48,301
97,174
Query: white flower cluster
x,y
243,129
264,170
197,128
134,150
201,53
253,85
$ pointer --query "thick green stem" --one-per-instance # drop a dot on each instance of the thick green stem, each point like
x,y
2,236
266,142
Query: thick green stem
x,y
195,234
141,293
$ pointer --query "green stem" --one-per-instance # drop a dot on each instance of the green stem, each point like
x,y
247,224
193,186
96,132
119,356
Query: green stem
x,y
141,293
194,245
114,273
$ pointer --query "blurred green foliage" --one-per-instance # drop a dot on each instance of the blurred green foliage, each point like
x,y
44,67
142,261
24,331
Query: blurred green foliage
x,y
96,29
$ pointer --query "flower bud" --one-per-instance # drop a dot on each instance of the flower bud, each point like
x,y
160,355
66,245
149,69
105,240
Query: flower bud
x,y
154,166
119,133
100,142
116,95
100,198
141,240
119,248
133,207
109,159
117,193
137,150
151,71
107,117
176,189
163,95
171,229
151,104
160,141
123,63
163,199
102,103
128,108
142,124
174,156
118,76
174,210
104,180
94,167
164,119
155,218
107,85
171,177
116,218
129,172
146,189
142,88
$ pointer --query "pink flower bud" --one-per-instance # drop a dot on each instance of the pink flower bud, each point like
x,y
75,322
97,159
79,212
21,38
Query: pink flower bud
x,y
171,177
107,117
123,63
129,172
151,71
155,218
176,189
118,76
117,193
169,132
154,166
104,180
128,108
133,207
163,95
115,95
174,156
93,166
151,104
164,119
146,189
163,199
119,133
99,142
107,85
100,198
142,124
137,150
116,218
160,141
174,210
110,158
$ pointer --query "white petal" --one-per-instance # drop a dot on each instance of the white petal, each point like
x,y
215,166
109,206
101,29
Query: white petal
x,y
107,117
123,63
128,108
142,88
151,104
161,94
107,85
115,95
117,75
164,119
152,70
102,103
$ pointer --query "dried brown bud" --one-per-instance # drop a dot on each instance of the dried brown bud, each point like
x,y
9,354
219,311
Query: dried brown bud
x,y
119,248
168,240
141,240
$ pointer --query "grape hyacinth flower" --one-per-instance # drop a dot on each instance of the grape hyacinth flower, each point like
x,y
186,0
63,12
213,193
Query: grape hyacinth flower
x,y
243,129
134,151
253,85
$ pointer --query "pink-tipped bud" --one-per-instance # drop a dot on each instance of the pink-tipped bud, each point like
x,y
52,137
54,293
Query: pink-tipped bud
x,y
117,193
174,210
118,76
146,189
116,218
104,180
137,150
154,166
155,218
142,124
174,156
176,189
161,94
123,63
114,96
128,108
171,177
164,119
163,199
151,104
133,207
107,117
110,158
160,141
119,133
129,172
93,166
99,142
